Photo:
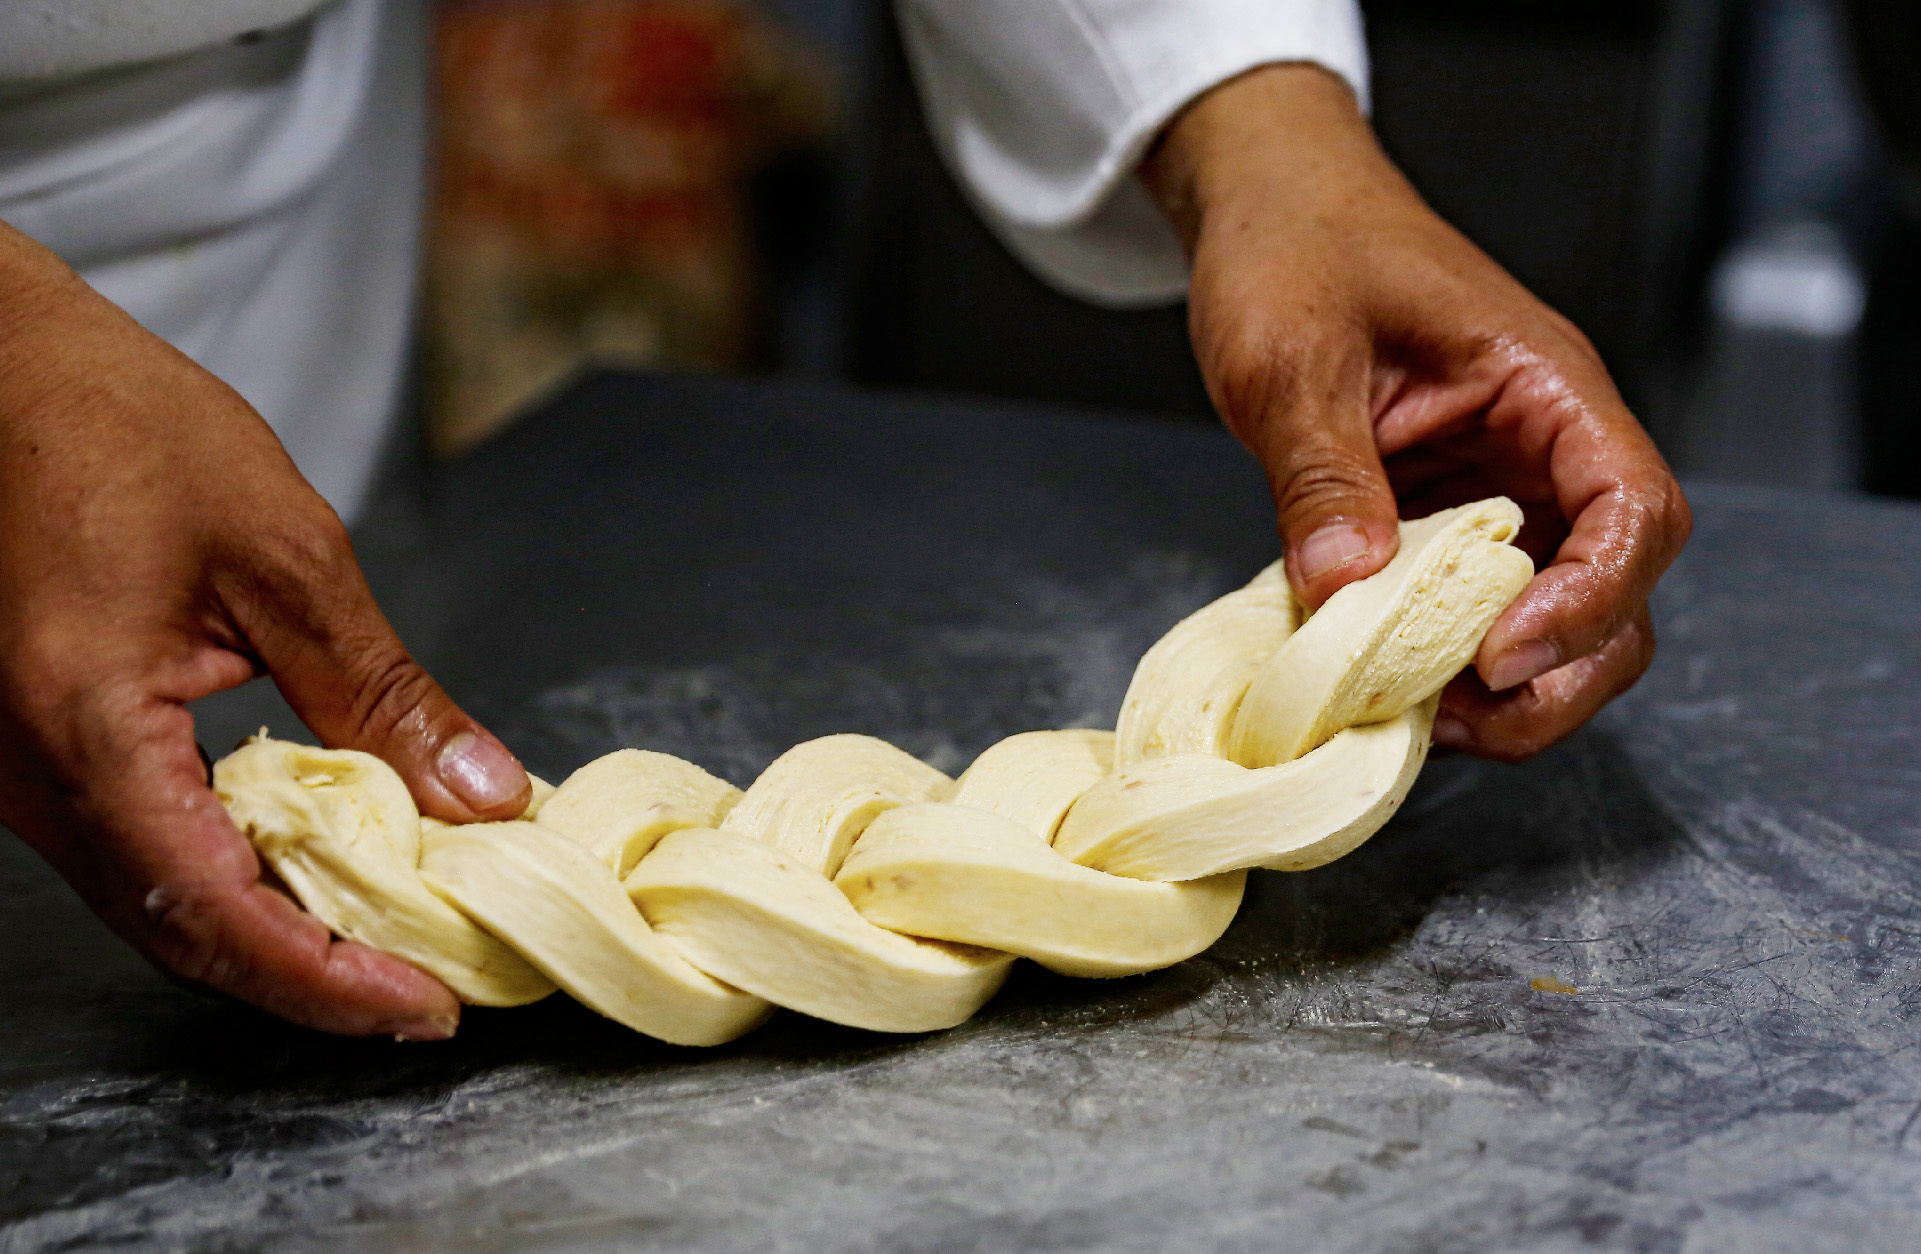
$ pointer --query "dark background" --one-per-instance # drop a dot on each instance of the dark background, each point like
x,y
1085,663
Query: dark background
x,y
1711,189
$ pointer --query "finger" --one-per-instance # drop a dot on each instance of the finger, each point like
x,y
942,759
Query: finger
x,y
1300,400
314,623
257,945
1521,721
1628,521
158,858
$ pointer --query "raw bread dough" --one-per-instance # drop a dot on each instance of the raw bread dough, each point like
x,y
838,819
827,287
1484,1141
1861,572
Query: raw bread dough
x,y
619,806
340,828
752,902
555,902
856,883
1384,644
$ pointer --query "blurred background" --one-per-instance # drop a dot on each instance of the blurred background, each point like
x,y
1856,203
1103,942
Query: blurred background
x,y
1724,194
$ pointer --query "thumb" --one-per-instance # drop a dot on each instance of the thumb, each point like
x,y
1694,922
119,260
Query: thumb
x,y
344,671
1337,513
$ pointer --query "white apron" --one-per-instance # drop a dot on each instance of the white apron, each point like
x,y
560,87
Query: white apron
x,y
255,203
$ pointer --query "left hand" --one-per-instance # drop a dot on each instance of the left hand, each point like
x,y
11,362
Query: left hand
x,y
157,545
1366,351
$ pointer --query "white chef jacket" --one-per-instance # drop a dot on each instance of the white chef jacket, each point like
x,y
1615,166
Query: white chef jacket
x,y
245,176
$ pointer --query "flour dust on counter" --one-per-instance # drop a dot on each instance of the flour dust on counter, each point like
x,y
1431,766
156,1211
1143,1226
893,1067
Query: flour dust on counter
x,y
1723,866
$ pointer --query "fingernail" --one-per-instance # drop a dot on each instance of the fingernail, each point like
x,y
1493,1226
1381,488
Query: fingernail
x,y
1330,548
479,771
432,1028
1451,732
1521,663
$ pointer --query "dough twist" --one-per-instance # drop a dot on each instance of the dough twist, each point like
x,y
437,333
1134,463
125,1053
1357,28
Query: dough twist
x,y
856,883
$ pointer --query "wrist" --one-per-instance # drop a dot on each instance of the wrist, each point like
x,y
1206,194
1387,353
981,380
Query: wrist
x,y
1278,133
30,272
38,295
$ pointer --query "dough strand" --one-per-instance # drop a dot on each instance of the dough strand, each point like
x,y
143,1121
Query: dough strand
x,y
855,883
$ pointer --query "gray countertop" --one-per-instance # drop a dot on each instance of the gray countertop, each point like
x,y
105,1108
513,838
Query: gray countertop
x,y
1725,867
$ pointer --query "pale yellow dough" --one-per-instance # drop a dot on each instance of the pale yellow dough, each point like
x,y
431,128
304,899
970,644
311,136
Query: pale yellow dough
x,y
618,807
1194,815
561,907
752,903
1383,645
981,870
820,795
1188,687
966,875
341,830
756,916
1034,778
855,883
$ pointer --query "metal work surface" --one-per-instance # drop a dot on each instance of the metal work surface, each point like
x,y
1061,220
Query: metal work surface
x,y
1656,990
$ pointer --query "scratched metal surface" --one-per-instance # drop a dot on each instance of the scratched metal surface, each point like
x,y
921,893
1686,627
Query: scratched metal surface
x,y
1722,872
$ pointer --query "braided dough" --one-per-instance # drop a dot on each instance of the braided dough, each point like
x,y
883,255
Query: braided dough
x,y
856,883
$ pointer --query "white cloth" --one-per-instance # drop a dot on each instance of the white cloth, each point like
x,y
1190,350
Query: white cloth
x,y
45,40
245,176
1043,109
256,204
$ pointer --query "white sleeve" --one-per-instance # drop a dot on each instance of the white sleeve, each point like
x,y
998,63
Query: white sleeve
x,y
1043,108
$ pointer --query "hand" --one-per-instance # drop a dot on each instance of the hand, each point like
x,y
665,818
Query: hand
x,y
157,545
1365,350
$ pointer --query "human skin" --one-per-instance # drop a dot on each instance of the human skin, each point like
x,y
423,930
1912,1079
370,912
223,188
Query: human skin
x,y
1380,365
157,544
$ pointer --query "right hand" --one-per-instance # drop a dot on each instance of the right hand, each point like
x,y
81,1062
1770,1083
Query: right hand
x,y
1364,350
158,545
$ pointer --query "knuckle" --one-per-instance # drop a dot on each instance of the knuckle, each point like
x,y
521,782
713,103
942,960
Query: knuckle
x,y
1250,368
300,563
1658,524
1634,657
390,690
1641,635
317,547
1577,339
1271,362
1288,388
1678,517
1325,478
